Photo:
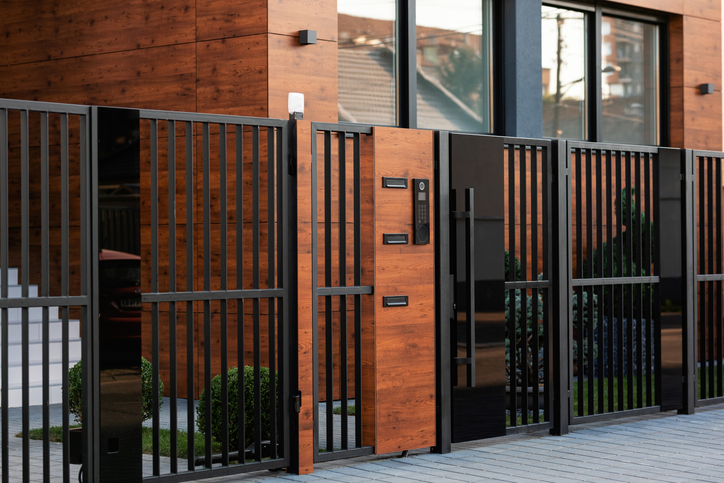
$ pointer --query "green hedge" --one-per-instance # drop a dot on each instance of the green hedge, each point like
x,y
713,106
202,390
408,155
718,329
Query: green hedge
x,y
233,405
75,390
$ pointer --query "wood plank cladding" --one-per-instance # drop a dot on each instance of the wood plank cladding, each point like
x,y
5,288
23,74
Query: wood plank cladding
x,y
288,17
39,31
404,336
160,78
220,19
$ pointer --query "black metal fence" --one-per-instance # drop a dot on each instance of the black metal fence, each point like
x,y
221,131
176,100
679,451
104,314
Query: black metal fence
x,y
528,300
45,282
613,309
225,218
339,289
709,276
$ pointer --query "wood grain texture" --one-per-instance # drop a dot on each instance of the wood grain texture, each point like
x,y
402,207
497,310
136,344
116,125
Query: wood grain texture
x,y
707,9
702,52
308,69
404,336
218,19
670,6
233,76
288,17
676,53
154,78
305,361
38,31
702,120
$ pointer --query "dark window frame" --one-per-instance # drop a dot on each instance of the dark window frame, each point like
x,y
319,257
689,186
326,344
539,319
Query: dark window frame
x,y
594,104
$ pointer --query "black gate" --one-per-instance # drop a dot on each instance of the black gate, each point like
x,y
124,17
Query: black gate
x,y
215,229
501,259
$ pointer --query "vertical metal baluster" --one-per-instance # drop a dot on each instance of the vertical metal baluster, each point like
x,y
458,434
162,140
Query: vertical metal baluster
x,y
702,285
357,298
638,304
591,308
600,156
64,284
619,287
649,287
535,322
328,313
255,284
241,363
579,290
711,188
280,430
512,277
25,275
546,220
718,270
315,299
154,288
172,336
45,288
629,298
4,260
523,212
611,298
224,327
206,160
190,282
271,158
343,377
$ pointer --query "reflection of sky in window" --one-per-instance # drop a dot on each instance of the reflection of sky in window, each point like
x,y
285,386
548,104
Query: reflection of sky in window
x,y
572,54
450,15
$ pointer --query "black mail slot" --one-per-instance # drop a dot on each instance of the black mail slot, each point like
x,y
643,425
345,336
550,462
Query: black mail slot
x,y
394,182
395,301
394,238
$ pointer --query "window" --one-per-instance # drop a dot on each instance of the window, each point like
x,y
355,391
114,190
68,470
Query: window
x,y
416,63
601,75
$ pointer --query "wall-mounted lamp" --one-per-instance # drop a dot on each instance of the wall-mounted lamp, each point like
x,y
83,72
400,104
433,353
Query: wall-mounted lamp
x,y
295,103
707,89
307,37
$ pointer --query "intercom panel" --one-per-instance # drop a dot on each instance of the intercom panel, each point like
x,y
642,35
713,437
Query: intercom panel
x,y
421,206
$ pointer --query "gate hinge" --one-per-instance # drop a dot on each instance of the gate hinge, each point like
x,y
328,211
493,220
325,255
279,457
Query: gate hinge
x,y
297,402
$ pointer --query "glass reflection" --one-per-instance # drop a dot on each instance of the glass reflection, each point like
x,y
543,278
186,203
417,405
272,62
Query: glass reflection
x,y
629,81
453,65
563,47
366,56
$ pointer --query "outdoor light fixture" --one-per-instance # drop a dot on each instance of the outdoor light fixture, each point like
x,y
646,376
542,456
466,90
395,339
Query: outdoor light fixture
x,y
707,89
307,37
296,105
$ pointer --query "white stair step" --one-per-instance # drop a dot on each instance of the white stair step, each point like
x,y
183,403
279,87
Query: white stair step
x,y
15,316
16,291
35,330
12,276
35,372
35,350
15,395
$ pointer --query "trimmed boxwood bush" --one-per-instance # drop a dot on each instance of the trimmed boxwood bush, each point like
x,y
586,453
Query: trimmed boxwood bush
x,y
233,405
75,390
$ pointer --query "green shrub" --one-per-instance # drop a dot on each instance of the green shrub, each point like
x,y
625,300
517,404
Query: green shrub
x,y
233,405
75,390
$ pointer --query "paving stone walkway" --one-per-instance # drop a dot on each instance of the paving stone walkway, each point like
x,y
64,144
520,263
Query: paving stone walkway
x,y
664,447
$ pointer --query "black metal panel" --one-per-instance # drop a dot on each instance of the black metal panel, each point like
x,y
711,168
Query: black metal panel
x,y
478,404
335,157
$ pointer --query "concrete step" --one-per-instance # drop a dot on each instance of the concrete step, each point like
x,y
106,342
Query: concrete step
x,y
34,313
12,276
35,371
35,350
15,395
35,330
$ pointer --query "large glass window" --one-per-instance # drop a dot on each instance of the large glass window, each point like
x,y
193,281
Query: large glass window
x,y
446,81
622,106
629,81
366,61
563,49
453,65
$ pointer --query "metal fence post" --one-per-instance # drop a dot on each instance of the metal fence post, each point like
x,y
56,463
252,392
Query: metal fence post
x,y
443,298
688,181
561,275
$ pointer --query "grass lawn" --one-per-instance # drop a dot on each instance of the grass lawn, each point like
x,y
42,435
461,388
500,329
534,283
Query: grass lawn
x,y
351,410
617,387
56,435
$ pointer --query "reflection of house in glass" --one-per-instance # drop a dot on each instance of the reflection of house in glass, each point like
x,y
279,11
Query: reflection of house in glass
x,y
449,75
